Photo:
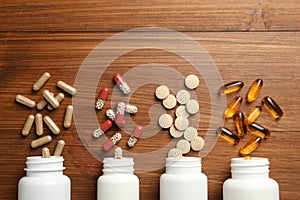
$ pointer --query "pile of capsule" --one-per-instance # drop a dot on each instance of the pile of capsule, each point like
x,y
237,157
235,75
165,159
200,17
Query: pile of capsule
x,y
179,127
242,122
52,102
116,115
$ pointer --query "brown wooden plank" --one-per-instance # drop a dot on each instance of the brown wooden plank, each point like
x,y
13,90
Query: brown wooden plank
x,y
239,56
105,15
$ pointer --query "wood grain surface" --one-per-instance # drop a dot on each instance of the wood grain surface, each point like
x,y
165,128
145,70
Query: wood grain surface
x,y
245,39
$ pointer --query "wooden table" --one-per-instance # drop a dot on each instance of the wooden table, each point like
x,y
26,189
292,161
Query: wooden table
x,y
245,39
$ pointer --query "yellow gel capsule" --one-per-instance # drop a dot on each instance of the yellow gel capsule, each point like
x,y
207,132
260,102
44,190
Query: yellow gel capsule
x,y
233,106
228,135
248,148
253,114
239,121
259,130
254,90
231,87
270,105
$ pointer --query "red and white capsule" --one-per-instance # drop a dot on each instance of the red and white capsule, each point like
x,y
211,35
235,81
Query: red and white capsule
x,y
102,129
131,109
135,136
120,114
109,144
102,98
122,84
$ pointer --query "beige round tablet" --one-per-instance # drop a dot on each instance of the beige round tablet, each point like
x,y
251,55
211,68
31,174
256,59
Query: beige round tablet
x,y
181,123
184,146
183,96
162,92
181,111
190,133
191,81
192,107
169,102
197,143
176,153
174,132
165,121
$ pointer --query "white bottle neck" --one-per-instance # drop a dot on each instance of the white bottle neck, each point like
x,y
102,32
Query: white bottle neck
x,y
185,165
117,166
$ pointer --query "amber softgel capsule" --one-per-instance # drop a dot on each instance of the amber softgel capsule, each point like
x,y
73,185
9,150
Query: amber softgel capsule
x,y
231,87
250,146
270,105
232,107
253,114
240,124
228,135
254,90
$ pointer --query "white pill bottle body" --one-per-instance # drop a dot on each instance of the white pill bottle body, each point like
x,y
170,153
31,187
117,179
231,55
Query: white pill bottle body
x,y
250,180
118,180
183,180
44,180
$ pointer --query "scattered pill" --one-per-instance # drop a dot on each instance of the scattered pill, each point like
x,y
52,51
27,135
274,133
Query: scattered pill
x,y
41,81
162,92
183,96
181,123
169,102
120,114
253,114
110,113
174,132
190,133
27,125
68,116
192,106
51,125
191,81
231,87
51,100
131,109
41,141
175,153
59,98
46,153
228,135
181,111
39,124
270,105
240,124
118,153
109,144
248,148
42,103
119,80
102,98
197,143
254,90
135,136
184,146
259,130
165,121
67,88
102,129
25,101
59,148
233,106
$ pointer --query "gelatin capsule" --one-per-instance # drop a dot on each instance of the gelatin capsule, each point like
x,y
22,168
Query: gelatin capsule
x,y
41,81
254,90
231,87
41,141
102,98
47,95
42,103
39,124
68,116
118,153
51,125
120,114
228,135
59,97
102,129
66,87
25,101
135,136
239,121
59,148
122,84
253,114
233,106
270,105
27,125
109,144
110,113
46,153
259,130
250,146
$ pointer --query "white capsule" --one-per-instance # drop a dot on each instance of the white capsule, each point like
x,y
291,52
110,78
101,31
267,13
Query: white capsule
x,y
184,146
183,96
192,106
110,113
191,81
190,133
165,121
68,116
25,101
59,148
59,98
162,92
67,88
41,141
27,125
170,102
47,95
41,81
181,123
39,124
51,125
118,153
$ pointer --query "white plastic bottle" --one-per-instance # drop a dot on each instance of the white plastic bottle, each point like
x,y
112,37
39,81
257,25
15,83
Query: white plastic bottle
x,y
250,180
183,180
44,180
118,180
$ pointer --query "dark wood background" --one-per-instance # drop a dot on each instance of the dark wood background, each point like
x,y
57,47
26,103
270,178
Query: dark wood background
x,y
246,40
